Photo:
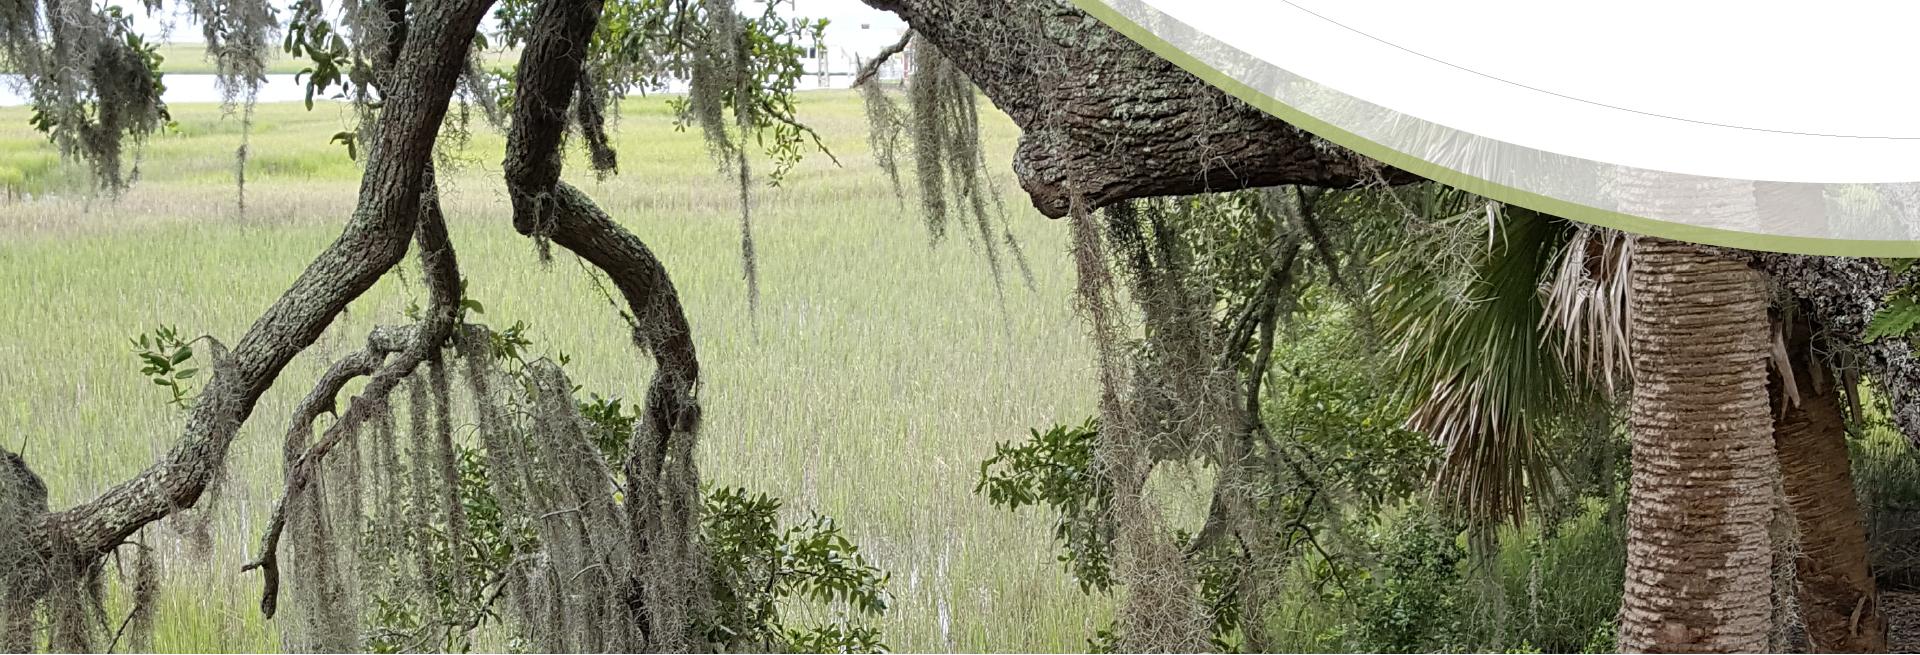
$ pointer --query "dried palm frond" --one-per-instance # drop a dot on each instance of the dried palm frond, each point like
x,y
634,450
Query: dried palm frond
x,y
1587,308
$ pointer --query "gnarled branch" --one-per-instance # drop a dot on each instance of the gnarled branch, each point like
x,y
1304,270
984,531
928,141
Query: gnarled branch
x,y
1103,117
546,208
422,344
550,67
373,242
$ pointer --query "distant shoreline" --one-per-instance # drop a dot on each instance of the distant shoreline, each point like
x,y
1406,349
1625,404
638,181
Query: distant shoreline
x,y
191,59
203,88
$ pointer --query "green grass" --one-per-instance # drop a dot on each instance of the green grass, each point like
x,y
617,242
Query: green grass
x,y
878,376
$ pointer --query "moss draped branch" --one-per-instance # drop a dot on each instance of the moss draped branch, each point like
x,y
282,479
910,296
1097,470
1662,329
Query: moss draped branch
x,y
1119,122
662,494
418,344
373,242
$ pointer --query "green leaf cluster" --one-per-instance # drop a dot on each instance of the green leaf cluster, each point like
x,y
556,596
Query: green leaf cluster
x,y
1055,469
758,566
163,357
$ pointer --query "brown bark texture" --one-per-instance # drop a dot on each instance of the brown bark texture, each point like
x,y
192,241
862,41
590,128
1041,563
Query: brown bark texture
x,y
550,66
1836,591
1103,117
1698,550
373,242
1841,295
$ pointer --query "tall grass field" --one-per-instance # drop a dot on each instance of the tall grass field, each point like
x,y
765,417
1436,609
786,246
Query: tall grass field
x,y
877,373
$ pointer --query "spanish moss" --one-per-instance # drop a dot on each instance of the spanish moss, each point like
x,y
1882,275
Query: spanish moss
x,y
144,597
931,79
886,123
446,465
23,573
420,497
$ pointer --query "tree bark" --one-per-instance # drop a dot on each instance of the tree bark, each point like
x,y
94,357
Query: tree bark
x,y
373,242
550,66
1841,295
1105,118
662,495
1838,599
1698,552
410,347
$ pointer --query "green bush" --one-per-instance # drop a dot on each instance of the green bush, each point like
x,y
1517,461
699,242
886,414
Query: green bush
x,y
1411,598
1055,468
1563,582
759,566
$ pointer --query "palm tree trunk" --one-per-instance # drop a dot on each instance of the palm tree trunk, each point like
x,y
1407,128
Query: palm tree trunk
x,y
1698,552
1838,599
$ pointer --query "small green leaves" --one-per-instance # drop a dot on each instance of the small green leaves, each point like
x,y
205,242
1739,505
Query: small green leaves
x,y
348,138
161,353
610,425
835,638
467,303
508,343
1895,319
1055,468
1900,314
758,567
313,37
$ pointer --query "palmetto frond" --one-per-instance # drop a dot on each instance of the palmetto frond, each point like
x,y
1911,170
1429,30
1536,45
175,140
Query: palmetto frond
x,y
1472,360
1587,307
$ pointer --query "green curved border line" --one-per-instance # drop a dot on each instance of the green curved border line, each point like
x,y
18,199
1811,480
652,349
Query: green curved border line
x,y
1585,214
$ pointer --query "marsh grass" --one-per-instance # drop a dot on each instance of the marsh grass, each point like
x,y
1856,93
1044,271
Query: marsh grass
x,y
880,374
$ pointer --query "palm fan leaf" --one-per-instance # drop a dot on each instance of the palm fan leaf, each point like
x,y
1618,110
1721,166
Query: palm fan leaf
x,y
1471,359
1587,308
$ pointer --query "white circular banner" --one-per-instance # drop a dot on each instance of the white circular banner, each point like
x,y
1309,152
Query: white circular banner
x,y
1770,126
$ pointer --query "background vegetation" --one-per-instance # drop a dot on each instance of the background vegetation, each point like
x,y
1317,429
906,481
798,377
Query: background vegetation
x,y
877,376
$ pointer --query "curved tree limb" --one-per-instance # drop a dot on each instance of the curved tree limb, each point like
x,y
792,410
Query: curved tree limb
x,y
660,323
872,66
414,344
550,66
373,242
321,400
544,207
1129,124
659,465
422,343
